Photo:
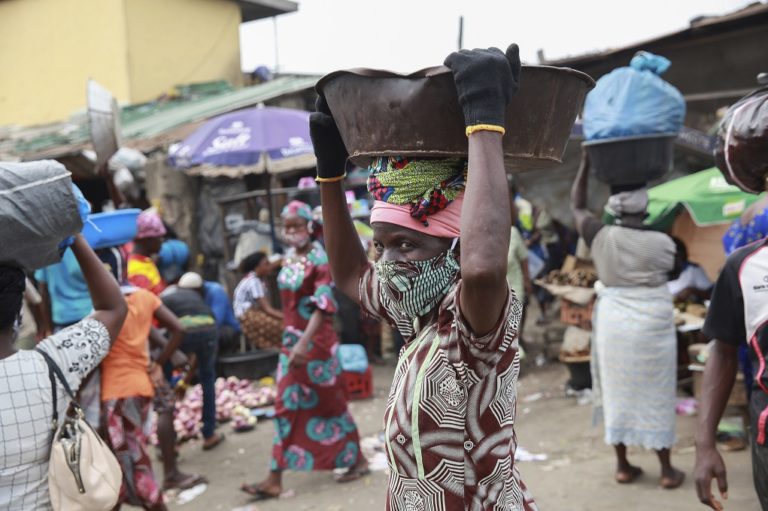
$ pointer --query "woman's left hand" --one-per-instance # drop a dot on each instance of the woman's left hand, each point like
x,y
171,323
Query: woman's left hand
x,y
298,356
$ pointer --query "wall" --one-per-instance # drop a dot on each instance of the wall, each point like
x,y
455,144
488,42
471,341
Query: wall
x,y
172,42
50,48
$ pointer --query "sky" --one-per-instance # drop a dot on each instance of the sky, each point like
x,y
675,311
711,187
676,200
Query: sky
x,y
407,35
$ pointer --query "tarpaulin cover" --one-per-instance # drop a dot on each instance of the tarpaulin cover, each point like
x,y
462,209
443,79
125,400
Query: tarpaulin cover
x,y
38,210
631,101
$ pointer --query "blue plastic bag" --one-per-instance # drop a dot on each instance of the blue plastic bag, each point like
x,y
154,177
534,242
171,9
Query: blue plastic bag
x,y
634,101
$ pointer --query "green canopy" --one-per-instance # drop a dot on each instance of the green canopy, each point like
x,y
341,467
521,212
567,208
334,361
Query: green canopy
x,y
706,195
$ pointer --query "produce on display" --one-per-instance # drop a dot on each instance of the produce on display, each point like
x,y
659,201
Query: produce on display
x,y
234,400
577,278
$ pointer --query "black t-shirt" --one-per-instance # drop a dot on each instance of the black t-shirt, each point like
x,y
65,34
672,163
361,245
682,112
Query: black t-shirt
x,y
738,313
185,303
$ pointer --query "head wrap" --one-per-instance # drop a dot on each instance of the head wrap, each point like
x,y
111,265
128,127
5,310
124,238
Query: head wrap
x,y
149,225
299,209
634,202
173,259
425,186
191,280
443,224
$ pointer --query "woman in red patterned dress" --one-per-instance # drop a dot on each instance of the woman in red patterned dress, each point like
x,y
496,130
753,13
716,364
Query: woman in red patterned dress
x,y
314,429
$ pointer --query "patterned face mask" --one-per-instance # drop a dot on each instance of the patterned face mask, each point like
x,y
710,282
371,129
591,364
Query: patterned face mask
x,y
413,288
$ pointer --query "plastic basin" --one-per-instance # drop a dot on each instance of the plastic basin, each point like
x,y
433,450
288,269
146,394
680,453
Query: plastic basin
x,y
631,160
111,229
382,113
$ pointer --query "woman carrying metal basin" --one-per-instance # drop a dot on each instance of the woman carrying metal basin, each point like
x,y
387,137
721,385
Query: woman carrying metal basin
x,y
441,232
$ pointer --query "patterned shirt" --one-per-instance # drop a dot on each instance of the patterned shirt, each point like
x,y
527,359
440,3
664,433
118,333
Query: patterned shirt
x,y
26,409
449,421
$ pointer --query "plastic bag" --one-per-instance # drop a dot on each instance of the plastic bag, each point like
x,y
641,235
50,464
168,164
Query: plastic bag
x,y
38,209
633,101
742,143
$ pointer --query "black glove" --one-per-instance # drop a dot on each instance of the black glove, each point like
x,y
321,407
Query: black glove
x,y
329,147
485,81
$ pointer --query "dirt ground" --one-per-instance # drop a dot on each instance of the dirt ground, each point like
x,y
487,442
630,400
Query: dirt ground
x,y
576,476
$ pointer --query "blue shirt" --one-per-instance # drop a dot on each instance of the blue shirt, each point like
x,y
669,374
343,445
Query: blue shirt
x,y
68,292
216,298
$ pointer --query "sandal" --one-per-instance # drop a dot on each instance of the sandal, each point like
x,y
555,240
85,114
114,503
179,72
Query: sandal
x,y
186,483
353,474
208,446
256,493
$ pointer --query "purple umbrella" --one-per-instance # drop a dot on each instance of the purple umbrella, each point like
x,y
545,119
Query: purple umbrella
x,y
262,138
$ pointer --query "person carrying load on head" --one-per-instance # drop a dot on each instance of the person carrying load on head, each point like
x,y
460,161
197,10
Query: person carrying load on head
x,y
441,235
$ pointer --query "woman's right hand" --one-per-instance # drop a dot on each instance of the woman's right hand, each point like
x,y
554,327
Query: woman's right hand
x,y
330,151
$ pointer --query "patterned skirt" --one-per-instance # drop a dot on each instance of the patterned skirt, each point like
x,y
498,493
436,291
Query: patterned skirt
x,y
124,420
262,330
313,427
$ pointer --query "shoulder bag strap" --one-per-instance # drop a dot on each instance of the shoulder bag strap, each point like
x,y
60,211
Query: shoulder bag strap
x,y
53,372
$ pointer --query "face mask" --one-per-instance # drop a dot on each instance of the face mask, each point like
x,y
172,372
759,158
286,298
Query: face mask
x,y
413,288
297,239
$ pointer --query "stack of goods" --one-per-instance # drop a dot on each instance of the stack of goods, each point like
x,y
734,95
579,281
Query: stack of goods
x,y
235,398
631,120
38,204
742,143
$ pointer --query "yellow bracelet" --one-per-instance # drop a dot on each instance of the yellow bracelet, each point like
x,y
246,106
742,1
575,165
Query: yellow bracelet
x,y
334,179
485,127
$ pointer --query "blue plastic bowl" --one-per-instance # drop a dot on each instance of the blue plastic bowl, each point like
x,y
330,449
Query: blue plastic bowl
x,y
111,229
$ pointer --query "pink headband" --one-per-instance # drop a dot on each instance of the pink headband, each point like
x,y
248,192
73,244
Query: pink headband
x,y
444,224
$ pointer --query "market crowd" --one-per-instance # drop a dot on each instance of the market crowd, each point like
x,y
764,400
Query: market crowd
x,y
457,253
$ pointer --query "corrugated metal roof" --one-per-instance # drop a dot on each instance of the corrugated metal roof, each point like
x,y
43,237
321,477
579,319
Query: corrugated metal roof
x,y
215,105
144,126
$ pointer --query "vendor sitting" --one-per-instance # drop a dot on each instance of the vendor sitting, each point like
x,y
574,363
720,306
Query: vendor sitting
x,y
692,285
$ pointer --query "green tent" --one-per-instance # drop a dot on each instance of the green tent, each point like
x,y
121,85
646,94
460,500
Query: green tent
x,y
706,195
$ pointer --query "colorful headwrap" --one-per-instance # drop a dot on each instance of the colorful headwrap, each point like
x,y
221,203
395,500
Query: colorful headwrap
x,y
297,208
426,186
150,225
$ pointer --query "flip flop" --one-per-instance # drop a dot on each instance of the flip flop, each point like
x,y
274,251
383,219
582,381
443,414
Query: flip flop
x,y
208,447
256,494
353,474
189,482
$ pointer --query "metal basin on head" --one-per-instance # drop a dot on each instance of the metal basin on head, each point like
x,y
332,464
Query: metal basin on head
x,y
382,113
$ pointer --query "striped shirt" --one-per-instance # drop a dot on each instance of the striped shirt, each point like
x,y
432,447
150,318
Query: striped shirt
x,y
628,257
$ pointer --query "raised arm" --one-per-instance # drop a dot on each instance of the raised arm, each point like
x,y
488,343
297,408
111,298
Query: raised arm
x,y
108,302
485,225
583,218
345,253
485,82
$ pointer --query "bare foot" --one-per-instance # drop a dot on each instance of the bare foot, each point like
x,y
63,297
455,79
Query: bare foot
x,y
671,479
628,474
